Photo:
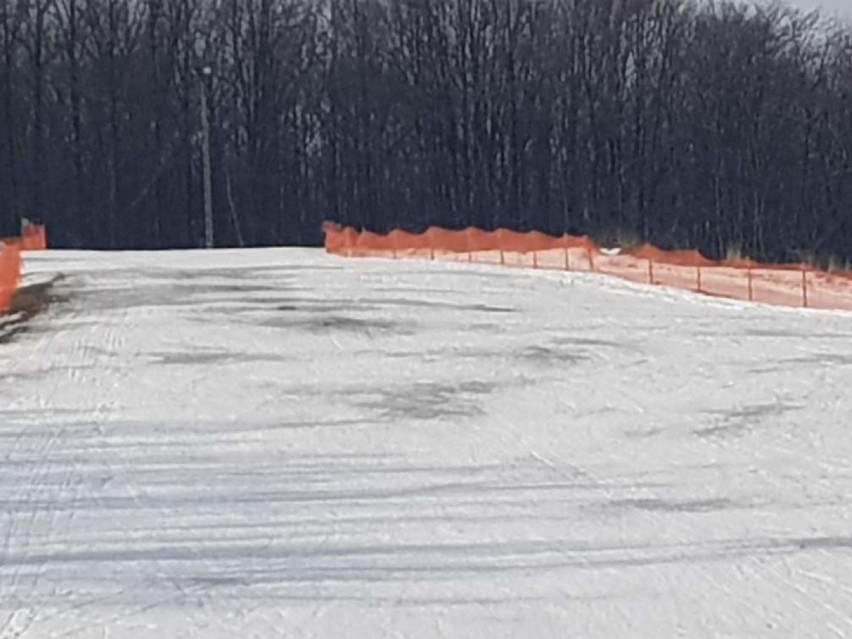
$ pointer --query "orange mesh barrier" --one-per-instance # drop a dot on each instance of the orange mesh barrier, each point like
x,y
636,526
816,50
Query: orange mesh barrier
x,y
779,284
10,274
33,238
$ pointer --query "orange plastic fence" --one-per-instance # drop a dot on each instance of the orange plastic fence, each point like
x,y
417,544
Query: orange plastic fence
x,y
10,274
780,284
33,238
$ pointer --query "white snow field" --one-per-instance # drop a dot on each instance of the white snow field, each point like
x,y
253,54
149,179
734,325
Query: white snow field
x,y
279,443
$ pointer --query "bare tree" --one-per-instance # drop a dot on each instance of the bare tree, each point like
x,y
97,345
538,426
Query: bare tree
x,y
711,125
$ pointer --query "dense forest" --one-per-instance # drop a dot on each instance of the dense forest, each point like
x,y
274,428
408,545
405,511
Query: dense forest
x,y
717,125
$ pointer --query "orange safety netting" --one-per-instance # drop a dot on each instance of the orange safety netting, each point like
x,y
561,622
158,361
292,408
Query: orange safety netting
x,y
779,284
33,238
10,274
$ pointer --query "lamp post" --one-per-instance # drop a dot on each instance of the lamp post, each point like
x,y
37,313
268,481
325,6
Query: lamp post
x,y
206,74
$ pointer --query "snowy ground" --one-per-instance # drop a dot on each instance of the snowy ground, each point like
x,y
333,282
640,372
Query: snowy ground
x,y
283,444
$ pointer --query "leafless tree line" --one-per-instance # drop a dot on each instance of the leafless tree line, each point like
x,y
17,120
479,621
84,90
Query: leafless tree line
x,y
710,125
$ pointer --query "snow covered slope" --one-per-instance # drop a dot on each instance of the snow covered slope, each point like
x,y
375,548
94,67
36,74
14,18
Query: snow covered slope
x,y
283,444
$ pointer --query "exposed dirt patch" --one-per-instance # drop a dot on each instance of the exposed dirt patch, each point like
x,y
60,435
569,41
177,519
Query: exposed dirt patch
x,y
29,301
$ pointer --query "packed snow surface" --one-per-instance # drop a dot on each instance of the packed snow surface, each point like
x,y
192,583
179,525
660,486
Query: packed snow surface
x,y
278,443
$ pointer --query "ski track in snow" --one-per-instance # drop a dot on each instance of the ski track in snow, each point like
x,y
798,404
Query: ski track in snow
x,y
278,443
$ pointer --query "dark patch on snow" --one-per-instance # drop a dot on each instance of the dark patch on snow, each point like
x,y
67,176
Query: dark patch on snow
x,y
643,434
833,359
488,327
765,370
428,401
553,356
190,358
571,340
240,289
735,421
43,373
320,323
343,305
239,273
29,301
321,306
823,543
177,296
426,303
673,506
448,352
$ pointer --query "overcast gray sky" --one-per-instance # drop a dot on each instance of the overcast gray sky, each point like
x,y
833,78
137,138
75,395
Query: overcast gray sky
x,y
829,7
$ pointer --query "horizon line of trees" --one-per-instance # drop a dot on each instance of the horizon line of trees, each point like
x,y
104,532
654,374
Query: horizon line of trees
x,y
712,125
